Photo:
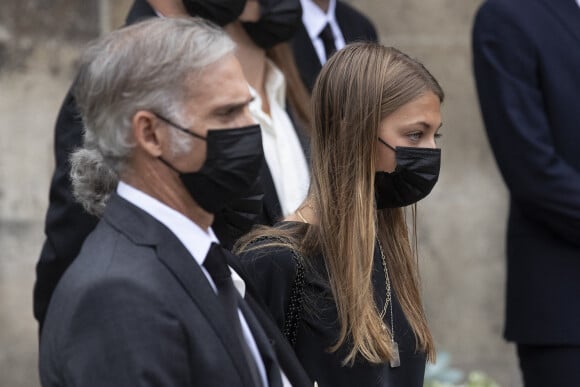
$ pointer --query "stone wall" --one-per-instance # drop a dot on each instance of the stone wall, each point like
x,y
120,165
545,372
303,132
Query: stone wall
x,y
40,42
461,224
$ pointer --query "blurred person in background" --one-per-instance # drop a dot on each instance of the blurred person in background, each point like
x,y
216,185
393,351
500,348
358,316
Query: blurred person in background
x,y
327,25
526,57
280,107
339,275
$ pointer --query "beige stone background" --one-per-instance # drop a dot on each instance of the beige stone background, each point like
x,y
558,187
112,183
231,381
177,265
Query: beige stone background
x,y
461,225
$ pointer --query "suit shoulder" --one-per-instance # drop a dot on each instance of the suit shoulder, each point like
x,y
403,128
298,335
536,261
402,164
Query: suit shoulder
x,y
108,260
354,24
509,9
509,23
344,9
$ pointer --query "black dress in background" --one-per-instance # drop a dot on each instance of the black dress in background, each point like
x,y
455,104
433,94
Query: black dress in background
x,y
273,271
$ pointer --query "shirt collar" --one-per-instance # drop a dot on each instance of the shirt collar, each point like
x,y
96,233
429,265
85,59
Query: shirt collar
x,y
194,238
315,19
275,84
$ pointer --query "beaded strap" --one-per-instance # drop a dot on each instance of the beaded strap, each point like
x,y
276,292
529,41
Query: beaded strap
x,y
293,313
295,307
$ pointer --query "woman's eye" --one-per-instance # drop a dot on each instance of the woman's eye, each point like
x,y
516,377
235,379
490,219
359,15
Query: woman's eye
x,y
415,136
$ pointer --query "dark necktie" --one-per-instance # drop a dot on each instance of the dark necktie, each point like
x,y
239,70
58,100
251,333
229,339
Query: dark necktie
x,y
328,41
217,267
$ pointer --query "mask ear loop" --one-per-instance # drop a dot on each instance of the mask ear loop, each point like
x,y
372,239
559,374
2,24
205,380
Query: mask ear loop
x,y
385,143
168,165
184,130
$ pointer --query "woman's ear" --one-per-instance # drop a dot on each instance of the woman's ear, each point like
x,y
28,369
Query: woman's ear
x,y
148,133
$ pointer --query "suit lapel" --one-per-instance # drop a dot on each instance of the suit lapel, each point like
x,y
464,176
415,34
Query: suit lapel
x,y
143,229
306,58
189,274
264,346
568,12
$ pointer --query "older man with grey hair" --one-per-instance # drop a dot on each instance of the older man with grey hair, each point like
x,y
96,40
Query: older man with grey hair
x,y
150,300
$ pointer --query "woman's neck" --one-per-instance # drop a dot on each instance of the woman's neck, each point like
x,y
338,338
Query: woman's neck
x,y
253,60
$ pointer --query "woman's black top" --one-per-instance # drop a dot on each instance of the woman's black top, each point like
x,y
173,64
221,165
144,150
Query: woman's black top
x,y
273,272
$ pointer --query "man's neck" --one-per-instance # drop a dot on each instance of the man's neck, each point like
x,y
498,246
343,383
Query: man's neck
x,y
323,4
168,189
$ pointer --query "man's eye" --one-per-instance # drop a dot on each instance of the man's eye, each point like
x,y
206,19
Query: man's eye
x,y
227,113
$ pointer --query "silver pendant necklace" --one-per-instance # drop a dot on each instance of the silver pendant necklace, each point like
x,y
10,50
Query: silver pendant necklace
x,y
396,360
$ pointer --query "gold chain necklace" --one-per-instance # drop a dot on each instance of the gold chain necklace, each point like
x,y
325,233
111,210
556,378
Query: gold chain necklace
x,y
301,216
396,360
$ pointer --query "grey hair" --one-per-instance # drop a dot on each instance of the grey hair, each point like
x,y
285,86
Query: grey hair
x,y
145,66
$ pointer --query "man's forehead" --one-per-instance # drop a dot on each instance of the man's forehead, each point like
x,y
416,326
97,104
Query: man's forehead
x,y
219,86
227,68
215,96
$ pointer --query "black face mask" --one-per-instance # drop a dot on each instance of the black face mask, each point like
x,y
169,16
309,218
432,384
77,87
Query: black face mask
x,y
279,21
231,169
414,177
221,12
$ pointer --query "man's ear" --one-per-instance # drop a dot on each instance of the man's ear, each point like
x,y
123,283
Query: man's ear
x,y
149,134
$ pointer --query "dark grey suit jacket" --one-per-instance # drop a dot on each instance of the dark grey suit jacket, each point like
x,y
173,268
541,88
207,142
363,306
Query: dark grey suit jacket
x,y
135,309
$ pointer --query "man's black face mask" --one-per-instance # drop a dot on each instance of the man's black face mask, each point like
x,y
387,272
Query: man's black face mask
x,y
231,169
413,179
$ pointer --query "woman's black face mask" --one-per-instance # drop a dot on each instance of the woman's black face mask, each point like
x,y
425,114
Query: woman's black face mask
x,y
231,169
414,177
221,12
279,21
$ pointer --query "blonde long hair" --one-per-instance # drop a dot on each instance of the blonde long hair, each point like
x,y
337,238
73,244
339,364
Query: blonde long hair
x,y
358,87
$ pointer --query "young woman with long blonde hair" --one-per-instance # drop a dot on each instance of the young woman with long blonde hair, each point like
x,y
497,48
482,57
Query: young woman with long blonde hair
x,y
339,275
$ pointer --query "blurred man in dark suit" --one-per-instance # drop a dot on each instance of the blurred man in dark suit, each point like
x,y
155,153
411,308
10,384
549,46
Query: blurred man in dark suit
x,y
327,25
527,65
151,298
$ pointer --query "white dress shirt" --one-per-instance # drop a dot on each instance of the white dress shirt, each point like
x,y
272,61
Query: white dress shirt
x,y
578,1
315,19
197,242
282,149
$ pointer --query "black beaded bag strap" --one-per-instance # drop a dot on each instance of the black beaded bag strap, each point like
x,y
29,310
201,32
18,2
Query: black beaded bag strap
x,y
295,308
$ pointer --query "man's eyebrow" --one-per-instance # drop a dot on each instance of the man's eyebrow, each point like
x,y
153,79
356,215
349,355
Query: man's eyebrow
x,y
235,105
